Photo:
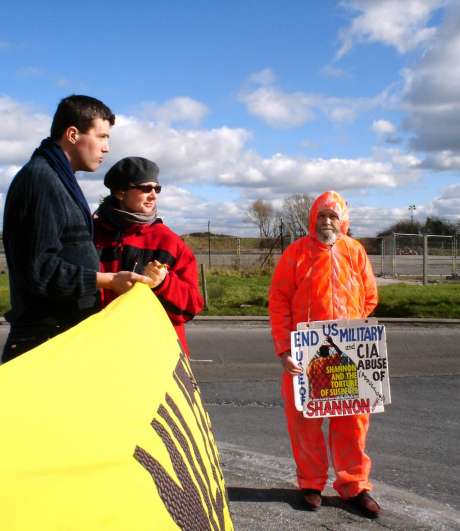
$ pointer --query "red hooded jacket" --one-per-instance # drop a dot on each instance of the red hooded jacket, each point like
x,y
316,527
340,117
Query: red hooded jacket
x,y
137,245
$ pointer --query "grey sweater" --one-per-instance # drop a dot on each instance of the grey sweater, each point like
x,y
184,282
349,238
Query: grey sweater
x,y
51,258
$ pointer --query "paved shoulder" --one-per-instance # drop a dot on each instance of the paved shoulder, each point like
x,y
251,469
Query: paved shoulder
x,y
263,497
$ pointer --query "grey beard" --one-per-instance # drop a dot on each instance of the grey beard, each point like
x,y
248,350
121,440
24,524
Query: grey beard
x,y
327,237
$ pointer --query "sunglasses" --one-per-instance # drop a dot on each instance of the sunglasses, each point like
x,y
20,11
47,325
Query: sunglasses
x,y
146,188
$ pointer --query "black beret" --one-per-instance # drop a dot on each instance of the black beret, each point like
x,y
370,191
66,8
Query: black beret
x,y
131,171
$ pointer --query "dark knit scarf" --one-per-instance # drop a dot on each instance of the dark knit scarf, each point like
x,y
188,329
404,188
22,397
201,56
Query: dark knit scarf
x,y
110,212
60,163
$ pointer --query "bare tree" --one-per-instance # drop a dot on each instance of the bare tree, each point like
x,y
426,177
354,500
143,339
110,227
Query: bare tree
x,y
295,213
263,215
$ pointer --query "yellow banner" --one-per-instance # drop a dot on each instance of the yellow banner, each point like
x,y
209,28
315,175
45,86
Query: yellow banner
x,y
103,428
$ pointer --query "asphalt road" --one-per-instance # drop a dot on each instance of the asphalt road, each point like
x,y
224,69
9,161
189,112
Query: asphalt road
x,y
404,265
413,444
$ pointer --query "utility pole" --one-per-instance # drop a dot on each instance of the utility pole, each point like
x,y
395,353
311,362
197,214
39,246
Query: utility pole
x,y
281,235
209,242
412,209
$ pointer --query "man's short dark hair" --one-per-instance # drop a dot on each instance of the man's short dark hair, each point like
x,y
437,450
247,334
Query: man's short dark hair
x,y
79,111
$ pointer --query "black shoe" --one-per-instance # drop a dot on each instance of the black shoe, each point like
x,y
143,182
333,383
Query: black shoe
x,y
312,499
366,504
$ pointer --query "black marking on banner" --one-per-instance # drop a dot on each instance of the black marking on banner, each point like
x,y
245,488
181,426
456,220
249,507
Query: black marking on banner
x,y
183,501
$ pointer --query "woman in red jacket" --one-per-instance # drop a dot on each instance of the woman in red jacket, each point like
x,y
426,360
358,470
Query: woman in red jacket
x,y
129,236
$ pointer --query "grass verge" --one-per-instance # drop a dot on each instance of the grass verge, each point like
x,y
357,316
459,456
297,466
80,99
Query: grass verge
x,y
4,294
233,292
403,300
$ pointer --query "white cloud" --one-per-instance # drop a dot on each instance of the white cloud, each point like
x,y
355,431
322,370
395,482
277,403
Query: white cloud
x,y
368,221
177,110
186,155
94,190
383,127
6,176
283,174
448,204
280,109
401,24
30,71
217,156
186,213
21,129
431,97
183,154
182,210
333,72
263,77
445,160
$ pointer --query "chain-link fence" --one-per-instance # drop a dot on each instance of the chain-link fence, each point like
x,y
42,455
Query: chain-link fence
x,y
421,256
237,253
403,256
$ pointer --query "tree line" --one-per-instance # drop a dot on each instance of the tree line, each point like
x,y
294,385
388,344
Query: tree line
x,y
292,220
432,225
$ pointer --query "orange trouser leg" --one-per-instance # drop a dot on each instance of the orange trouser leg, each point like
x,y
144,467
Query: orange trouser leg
x,y
307,442
347,441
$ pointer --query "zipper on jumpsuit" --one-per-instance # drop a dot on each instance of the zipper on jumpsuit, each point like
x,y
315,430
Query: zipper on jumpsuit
x,y
332,282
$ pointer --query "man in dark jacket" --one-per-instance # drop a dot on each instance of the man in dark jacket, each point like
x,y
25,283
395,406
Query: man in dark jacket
x,y
47,230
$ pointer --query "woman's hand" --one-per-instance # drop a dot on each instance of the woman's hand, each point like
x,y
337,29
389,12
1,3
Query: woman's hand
x,y
120,282
156,271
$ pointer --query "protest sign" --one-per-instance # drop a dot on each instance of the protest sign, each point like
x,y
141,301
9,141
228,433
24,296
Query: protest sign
x,y
103,428
345,367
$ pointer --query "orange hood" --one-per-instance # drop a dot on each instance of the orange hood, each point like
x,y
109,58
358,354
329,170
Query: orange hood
x,y
333,201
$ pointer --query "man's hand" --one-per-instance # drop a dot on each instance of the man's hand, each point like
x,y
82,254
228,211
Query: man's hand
x,y
120,282
289,364
156,272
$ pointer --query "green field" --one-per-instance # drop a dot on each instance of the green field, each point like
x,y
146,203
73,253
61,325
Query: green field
x,y
238,293
233,293
403,300
4,294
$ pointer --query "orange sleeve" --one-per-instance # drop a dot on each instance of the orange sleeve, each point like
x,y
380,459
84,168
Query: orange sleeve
x,y
280,296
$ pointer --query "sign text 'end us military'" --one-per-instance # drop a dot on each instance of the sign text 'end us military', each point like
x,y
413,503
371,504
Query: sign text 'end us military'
x,y
345,368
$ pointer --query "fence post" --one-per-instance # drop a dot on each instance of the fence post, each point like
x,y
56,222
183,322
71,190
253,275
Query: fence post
x,y
382,255
238,253
281,235
453,256
425,259
204,286
209,243
394,255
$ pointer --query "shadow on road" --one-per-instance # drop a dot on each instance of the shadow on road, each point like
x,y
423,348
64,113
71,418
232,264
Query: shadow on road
x,y
246,494
292,497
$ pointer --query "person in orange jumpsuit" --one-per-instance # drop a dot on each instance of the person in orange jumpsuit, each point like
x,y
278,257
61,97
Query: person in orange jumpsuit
x,y
325,275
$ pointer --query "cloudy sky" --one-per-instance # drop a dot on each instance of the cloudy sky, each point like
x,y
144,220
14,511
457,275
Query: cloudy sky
x,y
248,99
